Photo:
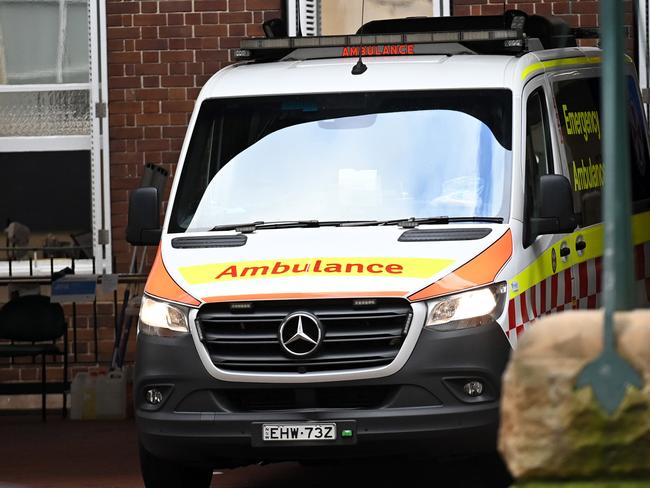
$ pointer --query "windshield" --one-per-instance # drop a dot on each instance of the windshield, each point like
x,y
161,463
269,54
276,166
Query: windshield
x,y
347,157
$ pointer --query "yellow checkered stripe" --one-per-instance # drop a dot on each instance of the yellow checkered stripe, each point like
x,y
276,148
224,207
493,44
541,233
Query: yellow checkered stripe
x,y
542,267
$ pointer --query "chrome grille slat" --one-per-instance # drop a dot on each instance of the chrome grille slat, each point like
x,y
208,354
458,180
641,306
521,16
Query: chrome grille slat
x,y
353,337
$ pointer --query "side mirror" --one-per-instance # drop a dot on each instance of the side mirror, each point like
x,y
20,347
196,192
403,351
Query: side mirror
x,y
143,227
556,214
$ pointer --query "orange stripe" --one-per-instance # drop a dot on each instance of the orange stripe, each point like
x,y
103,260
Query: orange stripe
x,y
304,296
161,285
479,271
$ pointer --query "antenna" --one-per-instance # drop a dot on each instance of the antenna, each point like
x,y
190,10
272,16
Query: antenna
x,y
360,68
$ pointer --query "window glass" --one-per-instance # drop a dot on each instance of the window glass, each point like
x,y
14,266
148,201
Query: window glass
x,y
539,156
369,156
578,105
43,43
49,194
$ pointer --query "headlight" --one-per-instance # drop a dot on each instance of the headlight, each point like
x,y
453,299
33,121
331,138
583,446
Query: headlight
x,y
162,318
467,309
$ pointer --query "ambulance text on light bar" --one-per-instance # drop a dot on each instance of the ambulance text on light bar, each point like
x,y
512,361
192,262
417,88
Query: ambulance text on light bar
x,y
381,44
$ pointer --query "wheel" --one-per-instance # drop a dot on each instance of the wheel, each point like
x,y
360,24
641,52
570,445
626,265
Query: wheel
x,y
162,473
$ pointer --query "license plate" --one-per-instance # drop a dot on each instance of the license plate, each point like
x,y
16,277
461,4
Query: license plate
x,y
299,432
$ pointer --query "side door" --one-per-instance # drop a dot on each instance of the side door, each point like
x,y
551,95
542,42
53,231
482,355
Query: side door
x,y
577,100
545,283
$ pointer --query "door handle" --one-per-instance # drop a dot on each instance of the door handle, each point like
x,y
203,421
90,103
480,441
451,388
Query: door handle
x,y
581,245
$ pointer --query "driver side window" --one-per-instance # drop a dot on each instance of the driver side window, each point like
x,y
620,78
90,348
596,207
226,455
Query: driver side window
x,y
539,154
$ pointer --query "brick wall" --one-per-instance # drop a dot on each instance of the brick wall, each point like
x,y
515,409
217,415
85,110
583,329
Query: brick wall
x,y
88,357
577,13
160,53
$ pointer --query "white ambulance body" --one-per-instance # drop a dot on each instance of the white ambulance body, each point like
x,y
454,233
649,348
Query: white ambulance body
x,y
347,260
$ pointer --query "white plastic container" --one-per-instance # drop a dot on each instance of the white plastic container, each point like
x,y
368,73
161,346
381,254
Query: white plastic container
x,y
111,396
83,397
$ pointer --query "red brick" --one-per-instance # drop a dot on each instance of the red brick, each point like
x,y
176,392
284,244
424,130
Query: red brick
x,y
151,44
192,19
151,81
210,5
115,45
254,30
123,32
125,82
150,107
153,132
150,19
194,43
176,80
585,7
125,107
178,119
234,42
151,94
175,6
235,17
545,9
177,69
122,57
175,31
210,30
212,55
561,8
149,33
209,18
237,30
263,4
170,157
176,19
122,7
152,119
176,94
589,20
173,132
176,56
153,145
125,132
149,7
150,57
176,44
151,69
177,106
236,5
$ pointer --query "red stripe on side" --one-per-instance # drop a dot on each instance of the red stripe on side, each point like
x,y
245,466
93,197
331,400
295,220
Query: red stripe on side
x,y
542,293
512,319
591,301
520,330
583,276
533,301
560,308
553,291
639,262
599,274
524,308
568,292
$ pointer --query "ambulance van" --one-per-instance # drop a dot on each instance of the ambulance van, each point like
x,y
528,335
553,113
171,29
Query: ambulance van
x,y
359,231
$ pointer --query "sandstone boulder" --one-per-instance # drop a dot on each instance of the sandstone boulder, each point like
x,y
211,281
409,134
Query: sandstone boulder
x,y
550,429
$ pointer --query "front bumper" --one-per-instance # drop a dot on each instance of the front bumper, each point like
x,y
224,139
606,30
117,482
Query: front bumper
x,y
420,409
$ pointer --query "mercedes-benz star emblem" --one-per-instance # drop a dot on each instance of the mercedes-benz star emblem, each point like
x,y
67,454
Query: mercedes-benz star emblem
x,y
300,334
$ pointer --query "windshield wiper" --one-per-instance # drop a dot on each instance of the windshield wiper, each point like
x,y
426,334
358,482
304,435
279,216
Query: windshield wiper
x,y
412,222
247,228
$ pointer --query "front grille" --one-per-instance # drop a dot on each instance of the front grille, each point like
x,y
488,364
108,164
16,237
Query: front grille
x,y
357,397
241,339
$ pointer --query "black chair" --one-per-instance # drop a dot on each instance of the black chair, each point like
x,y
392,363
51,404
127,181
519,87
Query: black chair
x,y
32,323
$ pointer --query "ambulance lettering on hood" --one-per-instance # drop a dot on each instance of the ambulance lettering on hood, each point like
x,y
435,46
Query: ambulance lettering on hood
x,y
360,266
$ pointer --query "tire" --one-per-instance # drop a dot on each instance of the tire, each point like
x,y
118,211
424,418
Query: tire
x,y
161,473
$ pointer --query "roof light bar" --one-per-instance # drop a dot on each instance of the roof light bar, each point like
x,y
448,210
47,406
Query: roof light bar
x,y
248,46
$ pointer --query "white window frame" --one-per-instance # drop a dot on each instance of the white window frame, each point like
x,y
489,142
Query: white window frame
x,y
97,141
